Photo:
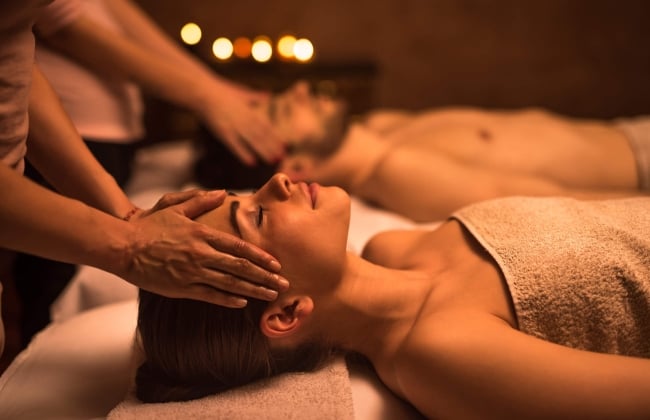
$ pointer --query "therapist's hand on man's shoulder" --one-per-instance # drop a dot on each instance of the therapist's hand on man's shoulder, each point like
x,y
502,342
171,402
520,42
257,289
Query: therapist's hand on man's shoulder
x,y
176,257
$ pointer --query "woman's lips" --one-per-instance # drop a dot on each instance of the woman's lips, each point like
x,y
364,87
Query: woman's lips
x,y
313,192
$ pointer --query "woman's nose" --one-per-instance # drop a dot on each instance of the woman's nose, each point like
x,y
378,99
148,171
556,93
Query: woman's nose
x,y
280,186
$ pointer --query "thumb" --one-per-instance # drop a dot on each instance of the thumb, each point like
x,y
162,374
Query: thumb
x,y
200,204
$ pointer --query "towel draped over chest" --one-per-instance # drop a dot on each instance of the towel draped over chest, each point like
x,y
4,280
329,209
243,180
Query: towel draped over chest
x,y
578,272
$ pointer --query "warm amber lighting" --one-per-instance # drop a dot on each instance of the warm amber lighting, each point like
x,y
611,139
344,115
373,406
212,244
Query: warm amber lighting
x,y
303,49
222,48
327,88
191,33
242,47
262,49
285,46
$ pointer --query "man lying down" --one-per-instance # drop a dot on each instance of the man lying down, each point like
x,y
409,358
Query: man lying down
x,y
424,165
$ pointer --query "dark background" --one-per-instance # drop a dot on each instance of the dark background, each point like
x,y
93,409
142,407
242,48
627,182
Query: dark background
x,y
578,57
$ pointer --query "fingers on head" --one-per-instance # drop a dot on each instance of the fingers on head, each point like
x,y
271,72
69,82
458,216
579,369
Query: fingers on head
x,y
215,296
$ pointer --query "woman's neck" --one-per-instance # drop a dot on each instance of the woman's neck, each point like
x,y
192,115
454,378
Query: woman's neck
x,y
364,314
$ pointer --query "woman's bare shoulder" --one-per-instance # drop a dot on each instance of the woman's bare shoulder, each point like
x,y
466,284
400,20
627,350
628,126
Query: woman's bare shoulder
x,y
393,248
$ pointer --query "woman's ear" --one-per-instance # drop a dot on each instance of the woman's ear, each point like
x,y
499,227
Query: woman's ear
x,y
285,316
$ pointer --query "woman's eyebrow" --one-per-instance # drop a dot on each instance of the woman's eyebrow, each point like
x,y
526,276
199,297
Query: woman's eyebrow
x,y
234,205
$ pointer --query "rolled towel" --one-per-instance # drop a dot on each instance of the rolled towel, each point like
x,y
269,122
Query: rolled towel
x,y
324,394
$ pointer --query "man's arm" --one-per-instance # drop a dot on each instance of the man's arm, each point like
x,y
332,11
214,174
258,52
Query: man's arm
x,y
429,187
148,57
384,121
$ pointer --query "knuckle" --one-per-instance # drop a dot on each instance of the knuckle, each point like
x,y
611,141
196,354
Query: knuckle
x,y
242,264
270,278
228,284
240,245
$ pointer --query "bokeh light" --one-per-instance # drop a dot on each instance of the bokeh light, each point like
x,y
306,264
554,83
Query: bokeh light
x,y
262,50
285,46
242,47
303,49
222,48
191,33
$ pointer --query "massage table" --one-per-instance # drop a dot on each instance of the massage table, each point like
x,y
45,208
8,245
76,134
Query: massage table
x,y
81,365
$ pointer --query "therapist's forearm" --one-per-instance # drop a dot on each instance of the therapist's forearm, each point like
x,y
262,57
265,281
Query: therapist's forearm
x,y
119,57
141,29
60,155
38,221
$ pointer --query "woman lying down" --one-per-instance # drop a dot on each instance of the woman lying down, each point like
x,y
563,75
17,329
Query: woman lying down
x,y
518,307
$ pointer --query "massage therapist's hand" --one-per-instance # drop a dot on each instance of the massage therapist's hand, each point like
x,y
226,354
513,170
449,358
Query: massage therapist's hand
x,y
176,257
232,112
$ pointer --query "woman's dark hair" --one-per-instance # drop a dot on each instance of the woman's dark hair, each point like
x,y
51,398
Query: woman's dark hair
x,y
193,349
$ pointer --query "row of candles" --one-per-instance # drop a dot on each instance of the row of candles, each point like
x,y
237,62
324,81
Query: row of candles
x,y
261,48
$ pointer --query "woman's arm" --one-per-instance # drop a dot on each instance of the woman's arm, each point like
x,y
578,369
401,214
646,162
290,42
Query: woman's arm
x,y
478,367
162,250
59,154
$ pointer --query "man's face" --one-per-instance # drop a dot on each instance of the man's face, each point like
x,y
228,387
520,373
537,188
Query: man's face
x,y
311,123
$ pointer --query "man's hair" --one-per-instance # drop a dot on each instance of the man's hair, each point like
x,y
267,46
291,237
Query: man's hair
x,y
322,147
217,167
194,349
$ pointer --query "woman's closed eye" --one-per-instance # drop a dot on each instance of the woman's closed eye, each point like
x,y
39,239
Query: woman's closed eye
x,y
260,216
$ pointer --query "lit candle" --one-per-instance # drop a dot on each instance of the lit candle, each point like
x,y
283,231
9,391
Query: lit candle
x,y
191,33
242,47
222,48
262,49
285,46
303,50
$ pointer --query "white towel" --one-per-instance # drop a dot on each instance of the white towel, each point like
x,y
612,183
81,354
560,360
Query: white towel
x,y
324,394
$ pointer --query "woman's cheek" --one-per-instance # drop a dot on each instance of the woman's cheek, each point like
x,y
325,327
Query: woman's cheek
x,y
291,243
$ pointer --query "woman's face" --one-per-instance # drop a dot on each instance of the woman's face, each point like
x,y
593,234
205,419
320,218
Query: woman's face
x,y
304,226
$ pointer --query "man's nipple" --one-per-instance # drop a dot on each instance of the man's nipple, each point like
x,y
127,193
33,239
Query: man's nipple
x,y
485,135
